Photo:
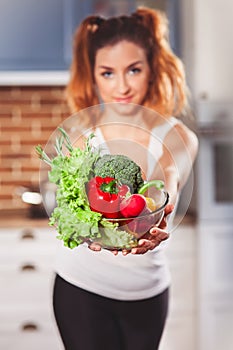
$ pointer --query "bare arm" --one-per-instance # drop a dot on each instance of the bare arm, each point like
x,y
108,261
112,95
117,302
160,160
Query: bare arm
x,y
179,152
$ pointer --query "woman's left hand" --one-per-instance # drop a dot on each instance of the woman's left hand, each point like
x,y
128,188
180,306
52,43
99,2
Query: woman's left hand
x,y
154,237
149,241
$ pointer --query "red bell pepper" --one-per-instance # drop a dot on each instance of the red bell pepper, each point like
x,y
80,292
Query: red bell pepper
x,y
105,195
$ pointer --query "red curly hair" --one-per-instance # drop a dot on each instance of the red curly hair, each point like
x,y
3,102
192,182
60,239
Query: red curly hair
x,y
147,28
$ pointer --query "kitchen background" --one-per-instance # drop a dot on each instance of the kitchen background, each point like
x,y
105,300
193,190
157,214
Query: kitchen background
x,y
35,52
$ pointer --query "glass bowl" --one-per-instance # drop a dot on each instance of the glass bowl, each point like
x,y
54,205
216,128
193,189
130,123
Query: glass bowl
x,y
127,231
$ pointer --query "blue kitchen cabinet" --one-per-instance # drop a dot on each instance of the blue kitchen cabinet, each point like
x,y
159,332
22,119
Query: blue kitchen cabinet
x,y
37,35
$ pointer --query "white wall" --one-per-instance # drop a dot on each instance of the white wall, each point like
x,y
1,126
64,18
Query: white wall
x,y
207,38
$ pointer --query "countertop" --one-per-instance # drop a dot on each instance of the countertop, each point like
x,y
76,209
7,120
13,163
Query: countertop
x,y
31,78
11,219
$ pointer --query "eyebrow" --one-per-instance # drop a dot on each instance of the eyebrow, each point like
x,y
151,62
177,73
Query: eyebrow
x,y
131,65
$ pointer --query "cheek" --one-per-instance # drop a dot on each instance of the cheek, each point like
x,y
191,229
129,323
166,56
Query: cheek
x,y
143,85
104,88
98,83
101,89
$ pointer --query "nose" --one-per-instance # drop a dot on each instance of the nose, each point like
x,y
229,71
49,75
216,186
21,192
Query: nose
x,y
123,85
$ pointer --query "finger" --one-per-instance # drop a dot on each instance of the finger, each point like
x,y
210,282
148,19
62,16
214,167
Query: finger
x,y
156,230
143,246
142,250
168,209
158,234
114,251
144,243
125,251
95,247
163,223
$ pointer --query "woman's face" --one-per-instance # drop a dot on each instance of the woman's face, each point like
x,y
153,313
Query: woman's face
x,y
122,73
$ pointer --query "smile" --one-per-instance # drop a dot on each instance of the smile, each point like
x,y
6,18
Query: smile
x,y
124,100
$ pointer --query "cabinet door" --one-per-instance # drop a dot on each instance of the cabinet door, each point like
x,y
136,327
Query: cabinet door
x,y
37,35
26,281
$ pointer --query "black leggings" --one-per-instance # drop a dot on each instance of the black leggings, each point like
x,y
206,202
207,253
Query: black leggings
x,y
87,321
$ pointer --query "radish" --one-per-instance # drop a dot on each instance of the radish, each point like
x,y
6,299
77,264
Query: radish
x,y
133,205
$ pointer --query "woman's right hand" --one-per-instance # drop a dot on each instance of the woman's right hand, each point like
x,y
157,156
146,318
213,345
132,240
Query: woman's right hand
x,y
154,237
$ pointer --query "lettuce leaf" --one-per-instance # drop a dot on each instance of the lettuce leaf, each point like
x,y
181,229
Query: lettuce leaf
x,y
73,219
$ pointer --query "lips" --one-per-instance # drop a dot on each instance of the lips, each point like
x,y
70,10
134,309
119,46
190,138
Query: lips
x,y
123,100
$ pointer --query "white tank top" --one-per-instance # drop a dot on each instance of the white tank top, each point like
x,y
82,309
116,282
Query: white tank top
x,y
131,277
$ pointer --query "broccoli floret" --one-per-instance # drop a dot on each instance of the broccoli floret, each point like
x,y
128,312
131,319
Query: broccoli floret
x,y
121,168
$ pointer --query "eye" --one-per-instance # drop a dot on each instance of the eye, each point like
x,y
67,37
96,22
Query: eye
x,y
134,71
107,74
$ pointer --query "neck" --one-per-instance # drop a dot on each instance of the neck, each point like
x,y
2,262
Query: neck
x,y
122,113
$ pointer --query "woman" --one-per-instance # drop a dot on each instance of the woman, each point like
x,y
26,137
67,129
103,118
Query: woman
x,y
120,301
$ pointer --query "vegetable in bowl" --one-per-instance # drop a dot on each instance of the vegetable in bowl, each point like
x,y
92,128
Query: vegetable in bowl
x,y
121,167
89,206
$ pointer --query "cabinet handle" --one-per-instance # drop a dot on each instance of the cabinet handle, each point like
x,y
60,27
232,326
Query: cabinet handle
x,y
27,234
29,326
28,267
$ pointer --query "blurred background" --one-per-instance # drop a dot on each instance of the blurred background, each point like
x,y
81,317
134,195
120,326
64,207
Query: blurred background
x,y
35,54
